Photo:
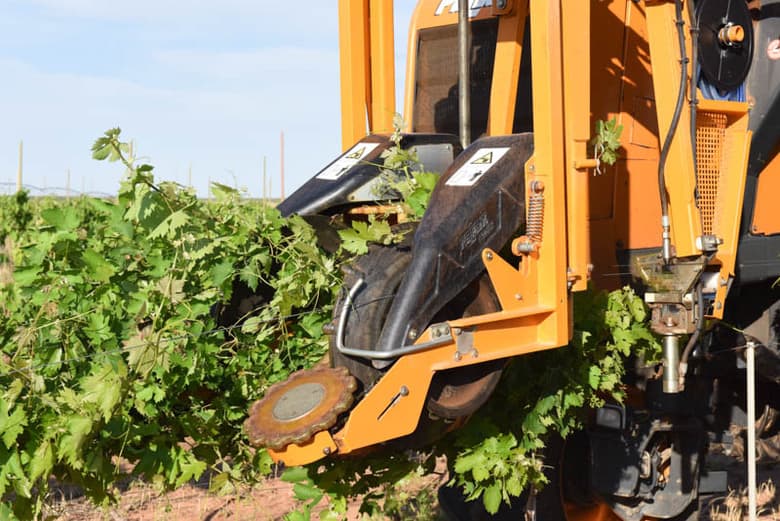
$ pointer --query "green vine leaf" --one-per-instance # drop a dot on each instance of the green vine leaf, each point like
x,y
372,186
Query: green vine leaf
x,y
110,347
606,142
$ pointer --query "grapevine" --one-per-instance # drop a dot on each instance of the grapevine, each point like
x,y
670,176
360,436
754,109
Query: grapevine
x,y
111,350
497,456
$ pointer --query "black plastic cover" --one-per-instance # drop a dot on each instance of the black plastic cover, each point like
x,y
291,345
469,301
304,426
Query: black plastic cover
x,y
321,195
460,222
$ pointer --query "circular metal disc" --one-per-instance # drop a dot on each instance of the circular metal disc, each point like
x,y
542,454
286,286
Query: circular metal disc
x,y
724,66
298,401
293,411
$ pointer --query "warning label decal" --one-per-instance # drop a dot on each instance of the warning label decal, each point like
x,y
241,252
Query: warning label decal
x,y
345,163
473,169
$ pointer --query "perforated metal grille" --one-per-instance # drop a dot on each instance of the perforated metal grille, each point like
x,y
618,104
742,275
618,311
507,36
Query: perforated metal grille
x,y
710,134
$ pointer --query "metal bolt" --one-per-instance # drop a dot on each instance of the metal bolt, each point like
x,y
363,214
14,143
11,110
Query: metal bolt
x,y
457,331
474,353
718,305
537,186
489,256
670,322
403,391
518,296
457,356
645,466
501,4
412,334
532,168
326,451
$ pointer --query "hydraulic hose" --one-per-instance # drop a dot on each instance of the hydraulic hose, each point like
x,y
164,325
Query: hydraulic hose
x,y
693,89
694,339
665,224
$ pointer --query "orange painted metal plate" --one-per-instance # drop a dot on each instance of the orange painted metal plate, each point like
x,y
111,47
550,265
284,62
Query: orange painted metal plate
x,y
598,512
766,217
315,449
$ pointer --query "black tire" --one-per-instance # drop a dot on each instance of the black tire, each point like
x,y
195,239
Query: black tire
x,y
382,270
453,394
549,501
566,495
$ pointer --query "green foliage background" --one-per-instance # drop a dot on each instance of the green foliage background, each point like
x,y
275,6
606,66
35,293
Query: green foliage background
x,y
110,350
109,347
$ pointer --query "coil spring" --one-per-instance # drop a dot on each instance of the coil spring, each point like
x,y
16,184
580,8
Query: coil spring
x,y
535,224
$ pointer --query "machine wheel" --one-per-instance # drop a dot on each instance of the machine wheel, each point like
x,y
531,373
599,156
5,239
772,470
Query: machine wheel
x,y
563,499
453,394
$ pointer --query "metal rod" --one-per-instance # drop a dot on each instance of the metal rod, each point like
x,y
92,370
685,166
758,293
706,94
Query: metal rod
x,y
750,355
396,353
265,182
281,155
19,184
345,313
377,355
671,380
464,72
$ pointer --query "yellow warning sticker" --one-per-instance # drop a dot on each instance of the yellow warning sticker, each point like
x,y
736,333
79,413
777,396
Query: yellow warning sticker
x,y
357,154
476,166
347,161
487,159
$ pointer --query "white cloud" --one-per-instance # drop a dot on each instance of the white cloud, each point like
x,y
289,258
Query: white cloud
x,y
223,132
279,14
208,83
273,64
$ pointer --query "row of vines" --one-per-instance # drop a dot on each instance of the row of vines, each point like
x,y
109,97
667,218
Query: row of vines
x,y
112,349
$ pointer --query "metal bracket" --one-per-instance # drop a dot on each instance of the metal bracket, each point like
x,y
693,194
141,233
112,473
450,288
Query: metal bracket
x,y
464,340
440,335
502,7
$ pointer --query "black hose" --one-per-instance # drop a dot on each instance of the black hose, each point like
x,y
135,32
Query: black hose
x,y
694,94
696,334
675,120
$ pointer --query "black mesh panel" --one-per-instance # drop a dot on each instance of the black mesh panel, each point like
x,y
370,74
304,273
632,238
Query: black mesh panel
x,y
436,86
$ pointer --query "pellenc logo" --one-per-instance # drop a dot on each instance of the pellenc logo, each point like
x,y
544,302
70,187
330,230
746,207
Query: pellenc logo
x,y
451,6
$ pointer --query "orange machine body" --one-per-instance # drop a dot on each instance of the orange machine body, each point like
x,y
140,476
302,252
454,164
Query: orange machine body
x,y
620,57
554,68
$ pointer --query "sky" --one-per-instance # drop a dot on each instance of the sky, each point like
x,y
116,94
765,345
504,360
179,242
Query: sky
x,y
203,88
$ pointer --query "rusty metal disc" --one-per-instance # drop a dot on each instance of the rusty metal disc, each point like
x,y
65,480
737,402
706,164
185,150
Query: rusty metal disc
x,y
293,411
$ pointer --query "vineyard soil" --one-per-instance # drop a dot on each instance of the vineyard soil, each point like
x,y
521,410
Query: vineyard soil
x,y
116,346
269,500
272,499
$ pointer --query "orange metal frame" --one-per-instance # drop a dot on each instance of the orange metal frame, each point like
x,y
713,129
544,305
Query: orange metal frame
x,y
535,291
681,179
536,303
766,218
367,63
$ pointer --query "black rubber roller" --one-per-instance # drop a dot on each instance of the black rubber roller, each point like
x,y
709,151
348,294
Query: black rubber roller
x,y
725,42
